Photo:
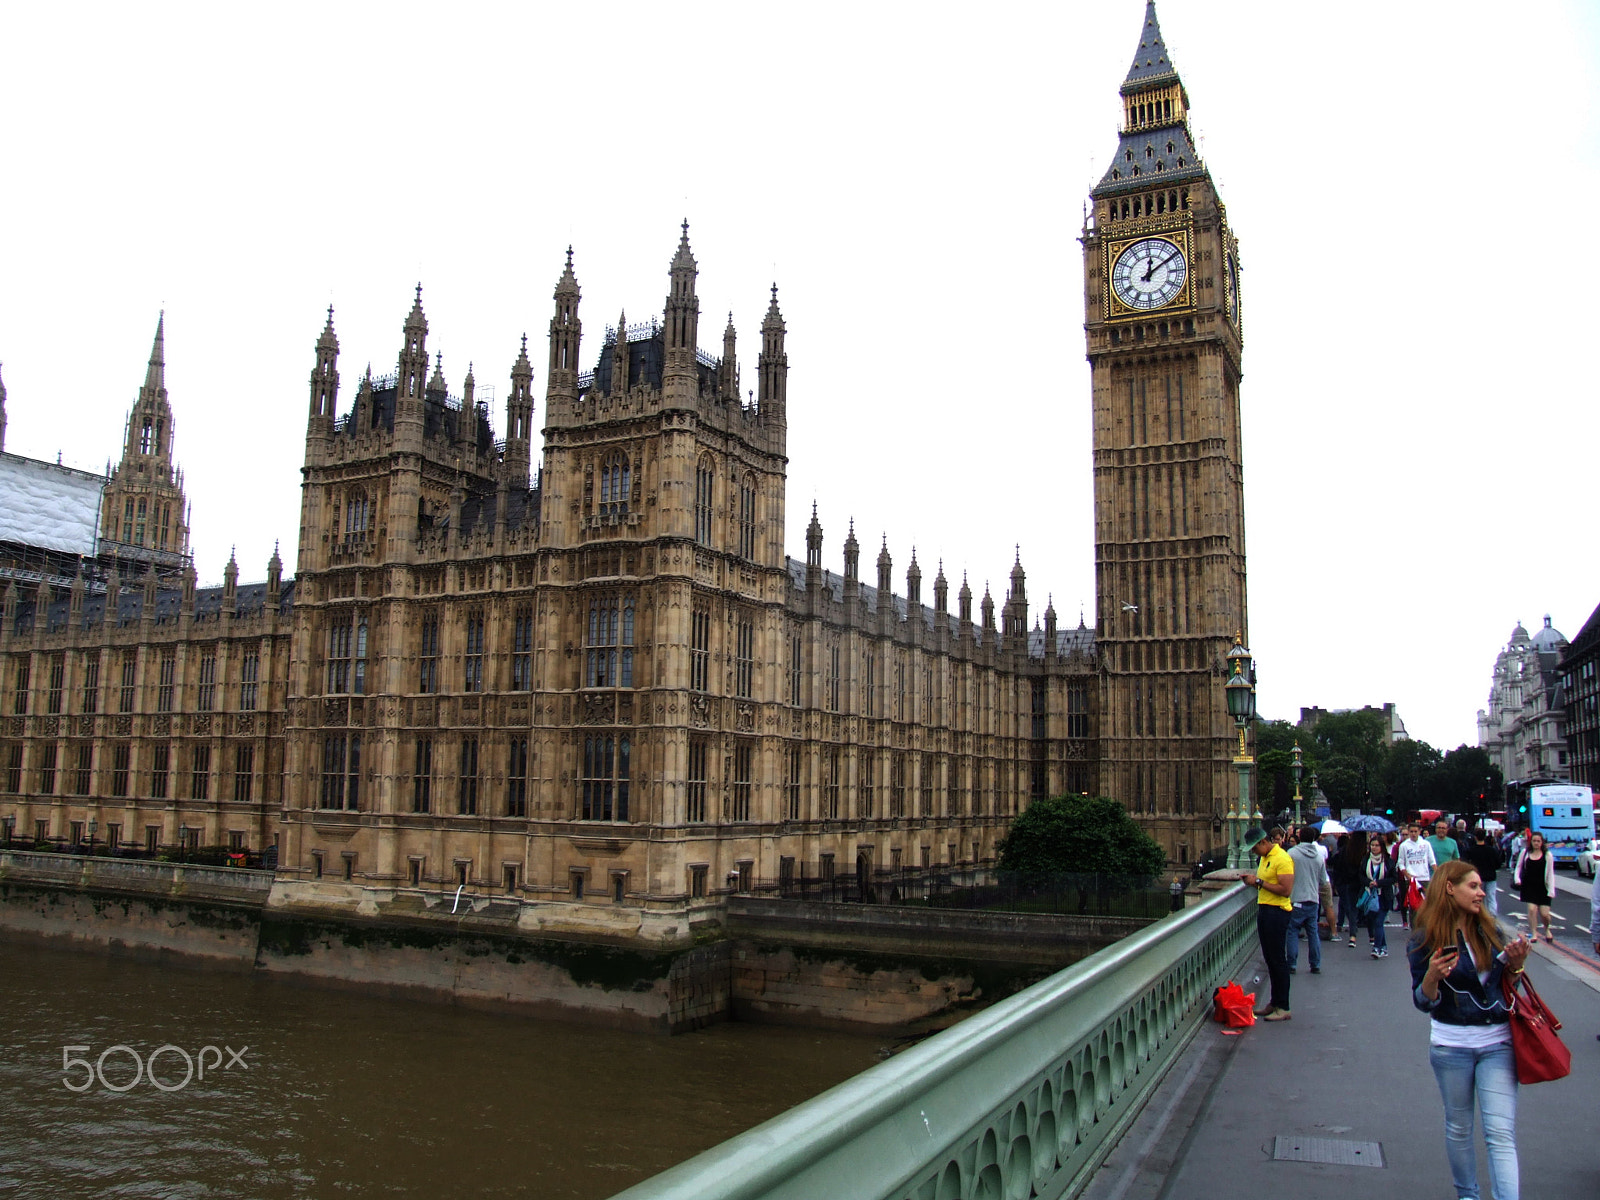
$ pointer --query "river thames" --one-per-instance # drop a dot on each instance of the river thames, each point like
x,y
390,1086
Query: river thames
x,y
312,1092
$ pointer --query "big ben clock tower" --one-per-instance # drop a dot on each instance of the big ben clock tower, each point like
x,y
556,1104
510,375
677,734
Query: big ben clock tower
x,y
1163,325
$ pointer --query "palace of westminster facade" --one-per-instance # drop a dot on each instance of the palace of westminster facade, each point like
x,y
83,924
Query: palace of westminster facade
x,y
604,682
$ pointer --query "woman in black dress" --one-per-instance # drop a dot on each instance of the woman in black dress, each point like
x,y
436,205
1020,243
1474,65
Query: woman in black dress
x,y
1535,878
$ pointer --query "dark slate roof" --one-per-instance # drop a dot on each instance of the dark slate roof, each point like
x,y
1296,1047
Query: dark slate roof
x,y
833,585
1144,161
1587,637
251,599
522,508
1068,641
1150,61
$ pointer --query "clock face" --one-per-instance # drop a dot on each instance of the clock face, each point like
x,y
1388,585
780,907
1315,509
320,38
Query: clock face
x,y
1149,273
1231,283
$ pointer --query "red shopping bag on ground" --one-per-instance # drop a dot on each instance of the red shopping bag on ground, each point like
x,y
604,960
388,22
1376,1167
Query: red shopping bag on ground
x,y
1233,1006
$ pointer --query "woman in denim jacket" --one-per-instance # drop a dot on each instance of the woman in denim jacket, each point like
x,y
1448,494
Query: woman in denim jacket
x,y
1458,956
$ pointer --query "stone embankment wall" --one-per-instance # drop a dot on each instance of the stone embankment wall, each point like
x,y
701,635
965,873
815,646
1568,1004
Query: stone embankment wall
x,y
885,967
840,965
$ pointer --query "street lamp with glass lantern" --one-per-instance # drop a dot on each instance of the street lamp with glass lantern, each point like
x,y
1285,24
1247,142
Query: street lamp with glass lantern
x,y
1241,696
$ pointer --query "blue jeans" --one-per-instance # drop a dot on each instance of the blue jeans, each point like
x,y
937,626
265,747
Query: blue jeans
x,y
1374,923
1491,898
1304,916
1490,1076
1347,907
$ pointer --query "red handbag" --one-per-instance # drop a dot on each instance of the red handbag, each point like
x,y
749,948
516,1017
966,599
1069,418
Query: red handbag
x,y
1535,1042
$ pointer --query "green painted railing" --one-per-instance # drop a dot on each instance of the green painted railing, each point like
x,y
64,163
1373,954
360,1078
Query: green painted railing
x,y
1021,1100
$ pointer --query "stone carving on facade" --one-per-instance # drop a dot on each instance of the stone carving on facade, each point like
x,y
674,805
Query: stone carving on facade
x,y
700,712
162,724
334,712
745,717
597,710
202,723
122,726
86,725
245,723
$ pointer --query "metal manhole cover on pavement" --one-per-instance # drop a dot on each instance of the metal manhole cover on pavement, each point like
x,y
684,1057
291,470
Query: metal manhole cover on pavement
x,y
1338,1151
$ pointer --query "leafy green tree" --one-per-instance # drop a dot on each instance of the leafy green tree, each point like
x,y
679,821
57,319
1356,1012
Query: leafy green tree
x,y
1339,775
1409,779
1465,773
1355,735
1067,834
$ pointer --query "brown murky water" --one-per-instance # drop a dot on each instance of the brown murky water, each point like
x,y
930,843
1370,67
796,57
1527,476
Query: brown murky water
x,y
346,1095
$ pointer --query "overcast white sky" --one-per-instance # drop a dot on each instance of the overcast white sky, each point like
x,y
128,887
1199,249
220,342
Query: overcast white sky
x,y
1412,185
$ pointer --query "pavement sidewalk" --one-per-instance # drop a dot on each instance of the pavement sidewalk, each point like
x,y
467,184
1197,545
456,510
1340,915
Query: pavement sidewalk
x,y
1352,1066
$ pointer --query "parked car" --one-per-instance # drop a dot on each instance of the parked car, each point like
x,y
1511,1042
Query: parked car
x,y
1586,858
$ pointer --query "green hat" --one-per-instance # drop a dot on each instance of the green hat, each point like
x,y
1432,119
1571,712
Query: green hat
x,y
1254,836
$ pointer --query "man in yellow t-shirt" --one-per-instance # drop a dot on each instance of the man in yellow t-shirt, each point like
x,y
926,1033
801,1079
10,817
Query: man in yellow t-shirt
x,y
1273,880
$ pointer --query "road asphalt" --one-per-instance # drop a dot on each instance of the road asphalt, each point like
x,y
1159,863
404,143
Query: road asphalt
x,y
1351,1067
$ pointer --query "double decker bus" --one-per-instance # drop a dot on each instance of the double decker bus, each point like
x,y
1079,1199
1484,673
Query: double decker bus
x,y
1563,812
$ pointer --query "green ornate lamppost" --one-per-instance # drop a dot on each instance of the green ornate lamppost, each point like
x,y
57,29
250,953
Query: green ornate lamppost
x,y
1240,691
1298,769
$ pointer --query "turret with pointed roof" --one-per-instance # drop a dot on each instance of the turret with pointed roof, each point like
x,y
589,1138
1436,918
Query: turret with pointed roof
x,y
144,512
519,419
774,364
682,324
1156,146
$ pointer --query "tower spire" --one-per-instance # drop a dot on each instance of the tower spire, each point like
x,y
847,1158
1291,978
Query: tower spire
x,y
774,364
566,332
413,365
1150,61
519,417
683,319
325,375
155,375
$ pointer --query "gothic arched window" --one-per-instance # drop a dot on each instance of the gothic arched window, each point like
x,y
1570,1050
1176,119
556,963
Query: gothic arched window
x,y
747,516
357,516
609,644
616,482
704,479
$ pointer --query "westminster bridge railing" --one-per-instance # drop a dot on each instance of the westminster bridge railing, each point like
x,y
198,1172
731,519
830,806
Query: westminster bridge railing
x,y
1024,1099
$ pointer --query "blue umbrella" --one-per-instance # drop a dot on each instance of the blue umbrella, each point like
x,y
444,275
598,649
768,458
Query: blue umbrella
x,y
1369,824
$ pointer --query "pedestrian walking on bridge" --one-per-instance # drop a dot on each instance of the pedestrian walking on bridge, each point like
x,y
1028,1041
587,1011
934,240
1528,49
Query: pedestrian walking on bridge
x,y
1311,900
1535,877
1381,876
1459,955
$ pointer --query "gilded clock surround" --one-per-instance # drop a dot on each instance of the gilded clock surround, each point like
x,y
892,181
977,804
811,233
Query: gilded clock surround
x,y
1178,235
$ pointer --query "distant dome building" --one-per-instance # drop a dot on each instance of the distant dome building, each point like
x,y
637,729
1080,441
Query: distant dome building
x,y
1524,727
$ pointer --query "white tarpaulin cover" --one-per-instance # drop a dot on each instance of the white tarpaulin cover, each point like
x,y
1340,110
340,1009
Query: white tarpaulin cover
x,y
42,504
